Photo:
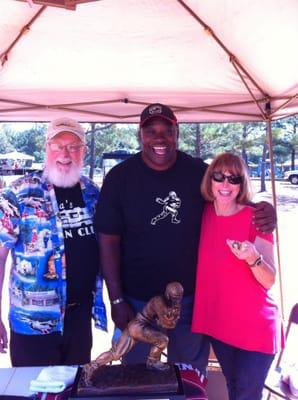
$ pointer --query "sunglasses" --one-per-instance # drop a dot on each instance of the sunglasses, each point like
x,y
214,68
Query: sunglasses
x,y
220,177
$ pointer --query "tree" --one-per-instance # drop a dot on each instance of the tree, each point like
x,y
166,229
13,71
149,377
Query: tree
x,y
31,141
198,139
110,137
6,133
289,136
94,129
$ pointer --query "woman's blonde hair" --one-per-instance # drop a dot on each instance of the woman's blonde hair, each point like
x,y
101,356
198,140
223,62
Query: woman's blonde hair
x,y
228,162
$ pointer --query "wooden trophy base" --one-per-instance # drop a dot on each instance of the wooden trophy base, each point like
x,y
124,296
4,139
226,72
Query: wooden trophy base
x,y
130,382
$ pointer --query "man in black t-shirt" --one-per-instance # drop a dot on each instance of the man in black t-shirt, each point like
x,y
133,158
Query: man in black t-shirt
x,y
149,222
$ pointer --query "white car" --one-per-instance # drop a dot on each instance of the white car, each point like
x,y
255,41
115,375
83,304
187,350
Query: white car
x,y
292,176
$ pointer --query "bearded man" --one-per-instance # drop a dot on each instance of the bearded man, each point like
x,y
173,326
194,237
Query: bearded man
x,y
54,283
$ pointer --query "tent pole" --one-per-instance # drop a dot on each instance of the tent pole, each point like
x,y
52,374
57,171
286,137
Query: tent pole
x,y
270,143
92,150
24,30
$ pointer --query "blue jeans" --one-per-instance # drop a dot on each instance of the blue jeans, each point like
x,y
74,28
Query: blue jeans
x,y
184,346
245,371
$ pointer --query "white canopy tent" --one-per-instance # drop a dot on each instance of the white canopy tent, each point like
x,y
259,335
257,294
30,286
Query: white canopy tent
x,y
15,155
215,60
104,60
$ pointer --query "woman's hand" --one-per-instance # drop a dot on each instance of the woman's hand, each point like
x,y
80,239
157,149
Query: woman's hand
x,y
244,250
259,257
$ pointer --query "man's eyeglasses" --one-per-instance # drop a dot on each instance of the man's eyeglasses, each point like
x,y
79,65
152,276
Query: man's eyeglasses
x,y
220,177
71,147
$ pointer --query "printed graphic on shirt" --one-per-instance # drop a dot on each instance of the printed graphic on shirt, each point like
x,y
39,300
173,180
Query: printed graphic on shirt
x,y
36,241
75,221
26,269
8,208
34,300
43,327
170,204
51,272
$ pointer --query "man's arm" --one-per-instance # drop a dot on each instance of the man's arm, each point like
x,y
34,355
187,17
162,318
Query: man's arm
x,y
110,265
265,217
3,334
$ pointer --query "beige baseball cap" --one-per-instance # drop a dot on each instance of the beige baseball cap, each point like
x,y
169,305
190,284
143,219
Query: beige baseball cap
x,y
65,124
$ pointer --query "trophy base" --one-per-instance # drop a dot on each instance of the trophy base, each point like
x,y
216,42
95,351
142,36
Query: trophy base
x,y
111,382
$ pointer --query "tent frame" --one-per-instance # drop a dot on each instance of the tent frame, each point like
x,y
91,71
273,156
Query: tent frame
x,y
263,101
243,74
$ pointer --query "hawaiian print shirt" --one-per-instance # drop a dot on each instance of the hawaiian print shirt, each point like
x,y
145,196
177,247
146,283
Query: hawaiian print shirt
x,y
30,225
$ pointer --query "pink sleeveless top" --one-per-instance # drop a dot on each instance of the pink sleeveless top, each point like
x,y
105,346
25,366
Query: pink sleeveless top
x,y
230,305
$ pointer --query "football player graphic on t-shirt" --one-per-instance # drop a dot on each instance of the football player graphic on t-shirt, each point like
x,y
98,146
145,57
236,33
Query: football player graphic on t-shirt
x,y
171,203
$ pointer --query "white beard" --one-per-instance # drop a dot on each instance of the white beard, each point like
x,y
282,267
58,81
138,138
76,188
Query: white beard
x,y
63,179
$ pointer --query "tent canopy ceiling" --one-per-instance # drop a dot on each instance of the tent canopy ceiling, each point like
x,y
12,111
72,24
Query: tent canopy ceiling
x,y
215,60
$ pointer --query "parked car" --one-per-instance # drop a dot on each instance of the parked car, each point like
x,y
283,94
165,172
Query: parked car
x,y
292,176
112,158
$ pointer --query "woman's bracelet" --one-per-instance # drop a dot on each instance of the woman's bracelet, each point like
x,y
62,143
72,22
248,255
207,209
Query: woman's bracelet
x,y
257,262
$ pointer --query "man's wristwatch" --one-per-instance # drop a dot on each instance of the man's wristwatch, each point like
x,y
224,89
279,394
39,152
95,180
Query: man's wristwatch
x,y
117,301
257,262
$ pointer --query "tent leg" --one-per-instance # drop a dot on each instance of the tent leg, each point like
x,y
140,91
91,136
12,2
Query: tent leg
x,y
270,143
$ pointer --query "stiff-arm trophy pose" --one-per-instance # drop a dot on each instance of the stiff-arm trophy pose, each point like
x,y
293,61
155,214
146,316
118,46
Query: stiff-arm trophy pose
x,y
161,311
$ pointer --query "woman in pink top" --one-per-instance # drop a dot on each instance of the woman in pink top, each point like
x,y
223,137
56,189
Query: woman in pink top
x,y
233,305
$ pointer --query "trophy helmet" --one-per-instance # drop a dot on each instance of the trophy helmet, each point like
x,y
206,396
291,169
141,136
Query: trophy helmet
x,y
174,291
172,195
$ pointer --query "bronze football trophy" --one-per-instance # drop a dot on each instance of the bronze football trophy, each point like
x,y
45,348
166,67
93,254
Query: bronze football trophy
x,y
160,311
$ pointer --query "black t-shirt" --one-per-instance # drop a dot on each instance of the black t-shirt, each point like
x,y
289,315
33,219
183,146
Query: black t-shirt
x,y
158,215
81,249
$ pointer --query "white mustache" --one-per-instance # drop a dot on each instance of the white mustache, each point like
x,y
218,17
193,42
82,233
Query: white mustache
x,y
63,179
65,161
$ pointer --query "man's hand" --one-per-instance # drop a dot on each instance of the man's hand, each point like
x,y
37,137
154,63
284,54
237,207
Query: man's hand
x,y
122,313
3,338
265,217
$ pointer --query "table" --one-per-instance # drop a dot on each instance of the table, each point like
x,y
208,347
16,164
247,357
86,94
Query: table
x,y
16,381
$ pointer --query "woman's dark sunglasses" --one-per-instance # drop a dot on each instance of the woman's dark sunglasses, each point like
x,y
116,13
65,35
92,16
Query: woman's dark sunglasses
x,y
220,177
